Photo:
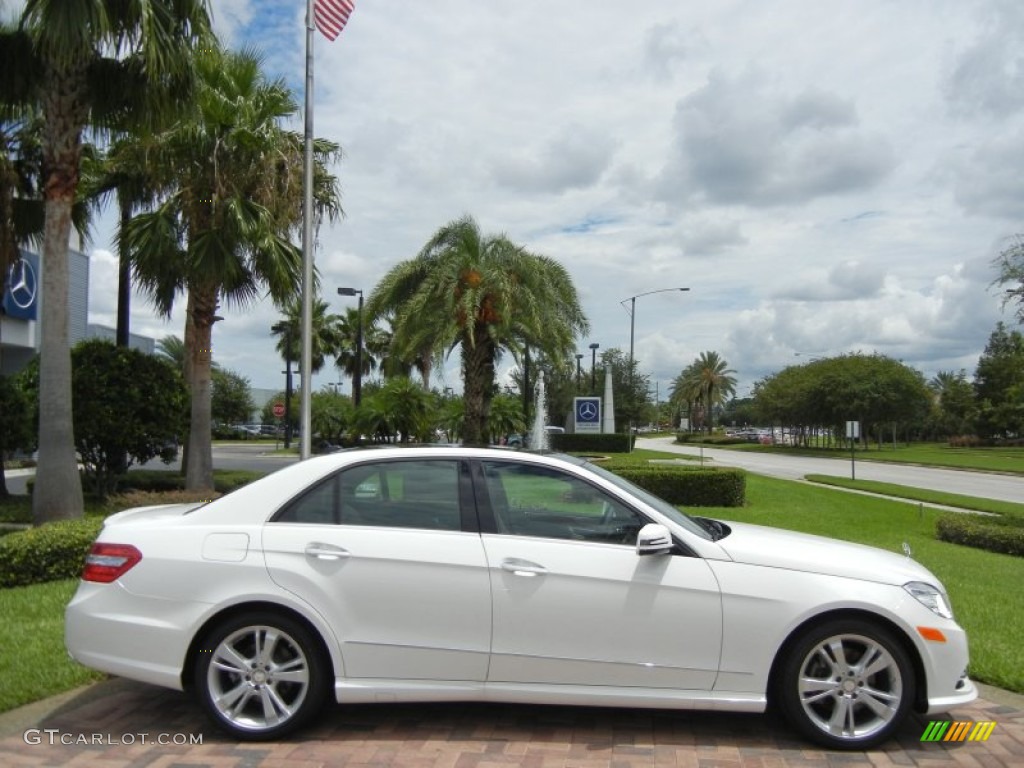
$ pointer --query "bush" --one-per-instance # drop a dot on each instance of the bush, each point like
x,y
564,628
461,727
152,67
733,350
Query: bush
x,y
587,443
128,408
157,480
689,486
696,438
47,553
992,533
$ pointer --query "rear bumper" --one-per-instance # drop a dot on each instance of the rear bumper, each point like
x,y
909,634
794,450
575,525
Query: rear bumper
x,y
140,638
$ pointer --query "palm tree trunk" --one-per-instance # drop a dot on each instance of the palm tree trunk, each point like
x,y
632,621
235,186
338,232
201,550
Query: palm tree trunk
x,y
124,274
188,342
199,467
58,488
478,383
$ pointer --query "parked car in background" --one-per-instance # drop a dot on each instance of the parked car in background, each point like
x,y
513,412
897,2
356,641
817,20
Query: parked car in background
x,y
448,573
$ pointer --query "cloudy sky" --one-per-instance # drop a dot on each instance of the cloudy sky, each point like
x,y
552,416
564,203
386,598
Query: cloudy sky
x,y
825,177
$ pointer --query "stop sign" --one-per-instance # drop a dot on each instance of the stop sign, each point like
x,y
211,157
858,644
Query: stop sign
x,y
279,410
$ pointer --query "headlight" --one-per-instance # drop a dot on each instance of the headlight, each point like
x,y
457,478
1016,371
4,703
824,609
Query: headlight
x,y
931,598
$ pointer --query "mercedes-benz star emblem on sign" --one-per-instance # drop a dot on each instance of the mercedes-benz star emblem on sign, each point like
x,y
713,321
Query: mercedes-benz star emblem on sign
x,y
588,411
23,284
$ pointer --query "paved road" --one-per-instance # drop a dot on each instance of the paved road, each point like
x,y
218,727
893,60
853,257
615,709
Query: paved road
x,y
982,484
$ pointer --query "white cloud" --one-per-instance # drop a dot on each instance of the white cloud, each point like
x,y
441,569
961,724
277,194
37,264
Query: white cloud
x,y
825,177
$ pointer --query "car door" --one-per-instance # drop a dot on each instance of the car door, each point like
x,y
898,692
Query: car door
x,y
572,601
380,549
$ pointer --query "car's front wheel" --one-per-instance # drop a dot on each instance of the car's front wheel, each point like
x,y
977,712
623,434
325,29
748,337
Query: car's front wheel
x,y
847,684
260,675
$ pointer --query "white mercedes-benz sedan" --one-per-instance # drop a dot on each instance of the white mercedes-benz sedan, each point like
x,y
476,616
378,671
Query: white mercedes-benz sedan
x,y
462,574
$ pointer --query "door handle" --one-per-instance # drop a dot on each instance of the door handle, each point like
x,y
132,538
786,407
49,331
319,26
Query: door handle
x,y
522,567
323,551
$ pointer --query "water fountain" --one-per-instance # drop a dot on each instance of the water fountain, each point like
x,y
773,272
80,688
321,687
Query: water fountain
x,y
539,435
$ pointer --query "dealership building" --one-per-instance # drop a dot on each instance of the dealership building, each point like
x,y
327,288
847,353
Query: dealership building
x,y
21,311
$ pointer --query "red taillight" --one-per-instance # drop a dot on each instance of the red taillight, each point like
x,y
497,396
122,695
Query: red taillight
x,y
107,562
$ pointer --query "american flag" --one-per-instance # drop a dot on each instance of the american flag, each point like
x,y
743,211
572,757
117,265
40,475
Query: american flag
x,y
330,16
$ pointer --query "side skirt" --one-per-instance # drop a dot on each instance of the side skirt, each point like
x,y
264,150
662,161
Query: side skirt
x,y
385,691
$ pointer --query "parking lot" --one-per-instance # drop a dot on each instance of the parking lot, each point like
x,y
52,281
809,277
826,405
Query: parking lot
x,y
118,723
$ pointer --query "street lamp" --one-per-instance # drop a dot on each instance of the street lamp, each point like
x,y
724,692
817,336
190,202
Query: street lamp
x,y
632,327
357,379
579,357
593,366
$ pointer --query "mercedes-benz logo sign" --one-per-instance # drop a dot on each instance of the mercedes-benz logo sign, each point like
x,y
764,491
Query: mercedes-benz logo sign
x,y
588,410
22,284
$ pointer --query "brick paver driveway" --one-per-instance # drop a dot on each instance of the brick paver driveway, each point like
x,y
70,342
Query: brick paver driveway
x,y
96,727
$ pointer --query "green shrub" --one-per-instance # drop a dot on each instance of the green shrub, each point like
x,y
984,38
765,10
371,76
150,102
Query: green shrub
x,y
689,486
47,553
158,481
992,533
696,438
587,443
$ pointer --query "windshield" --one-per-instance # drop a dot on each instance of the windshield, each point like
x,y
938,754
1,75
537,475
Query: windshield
x,y
646,497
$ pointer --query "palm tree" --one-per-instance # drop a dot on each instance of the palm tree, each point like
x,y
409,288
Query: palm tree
x,y
83,62
124,173
482,294
348,339
408,406
325,332
221,235
706,384
173,348
685,394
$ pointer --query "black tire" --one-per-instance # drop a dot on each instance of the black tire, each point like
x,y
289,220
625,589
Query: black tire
x,y
846,684
254,690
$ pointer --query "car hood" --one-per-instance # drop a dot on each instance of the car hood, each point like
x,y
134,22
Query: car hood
x,y
775,548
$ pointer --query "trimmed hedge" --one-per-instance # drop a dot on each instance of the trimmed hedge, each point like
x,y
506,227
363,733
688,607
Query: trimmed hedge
x,y
158,480
615,442
689,486
993,533
161,480
694,438
48,553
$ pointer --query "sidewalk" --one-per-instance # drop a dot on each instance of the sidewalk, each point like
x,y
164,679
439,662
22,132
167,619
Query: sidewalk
x,y
122,724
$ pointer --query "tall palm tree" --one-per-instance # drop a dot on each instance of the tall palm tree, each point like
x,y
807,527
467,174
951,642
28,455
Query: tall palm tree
x,y
348,339
83,62
123,172
222,234
481,294
325,332
706,384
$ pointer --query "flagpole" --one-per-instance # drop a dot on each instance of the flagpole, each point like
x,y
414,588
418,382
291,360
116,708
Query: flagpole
x,y
307,249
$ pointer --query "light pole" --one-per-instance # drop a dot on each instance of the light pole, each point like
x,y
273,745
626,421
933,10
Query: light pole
x,y
632,328
593,365
579,357
357,378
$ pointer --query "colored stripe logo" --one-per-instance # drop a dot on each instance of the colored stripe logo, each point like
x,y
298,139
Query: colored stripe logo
x,y
966,730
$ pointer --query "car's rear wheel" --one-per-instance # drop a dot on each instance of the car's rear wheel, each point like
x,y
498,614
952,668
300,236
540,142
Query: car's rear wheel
x,y
847,684
260,675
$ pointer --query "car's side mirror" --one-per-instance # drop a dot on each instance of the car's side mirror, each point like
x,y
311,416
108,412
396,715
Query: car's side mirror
x,y
653,539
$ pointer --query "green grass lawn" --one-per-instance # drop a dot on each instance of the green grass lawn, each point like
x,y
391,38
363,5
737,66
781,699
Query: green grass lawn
x,y
992,506
34,663
985,588
927,454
